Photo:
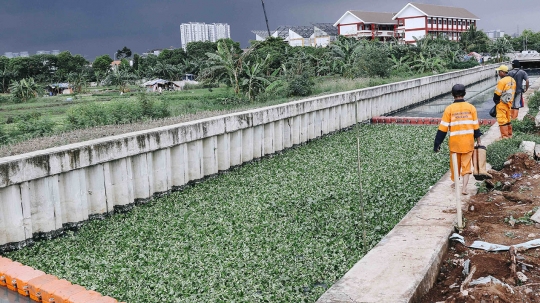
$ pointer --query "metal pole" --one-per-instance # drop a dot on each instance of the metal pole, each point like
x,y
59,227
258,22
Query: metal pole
x,y
458,192
266,18
364,247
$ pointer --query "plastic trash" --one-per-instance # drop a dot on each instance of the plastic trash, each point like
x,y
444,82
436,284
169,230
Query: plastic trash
x,y
495,247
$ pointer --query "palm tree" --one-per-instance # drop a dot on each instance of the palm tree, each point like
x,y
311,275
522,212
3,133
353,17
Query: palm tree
x,y
500,47
255,82
25,89
225,65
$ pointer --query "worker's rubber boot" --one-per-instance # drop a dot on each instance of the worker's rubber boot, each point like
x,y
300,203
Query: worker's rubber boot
x,y
504,131
509,126
479,162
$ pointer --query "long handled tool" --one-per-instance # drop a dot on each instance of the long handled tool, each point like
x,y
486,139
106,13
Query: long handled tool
x,y
364,247
458,192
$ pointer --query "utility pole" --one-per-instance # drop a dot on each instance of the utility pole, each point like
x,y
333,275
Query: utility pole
x,y
266,18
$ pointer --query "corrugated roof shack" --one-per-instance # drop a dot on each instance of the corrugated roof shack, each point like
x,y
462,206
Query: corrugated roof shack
x,y
159,85
59,89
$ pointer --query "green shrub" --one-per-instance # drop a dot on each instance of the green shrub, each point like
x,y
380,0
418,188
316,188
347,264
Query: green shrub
x,y
526,126
498,152
300,85
464,64
88,115
3,135
116,112
534,103
5,99
374,62
32,125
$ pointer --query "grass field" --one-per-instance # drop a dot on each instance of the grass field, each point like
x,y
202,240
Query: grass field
x,y
180,102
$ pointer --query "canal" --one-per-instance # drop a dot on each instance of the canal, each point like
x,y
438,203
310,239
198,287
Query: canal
x,y
479,94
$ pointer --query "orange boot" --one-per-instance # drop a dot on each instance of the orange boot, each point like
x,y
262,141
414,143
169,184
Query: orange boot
x,y
509,127
504,131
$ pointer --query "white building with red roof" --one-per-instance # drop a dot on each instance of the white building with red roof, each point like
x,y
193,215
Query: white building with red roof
x,y
417,20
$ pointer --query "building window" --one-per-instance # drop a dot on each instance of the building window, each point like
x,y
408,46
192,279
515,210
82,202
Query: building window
x,y
459,22
444,22
440,21
429,21
454,22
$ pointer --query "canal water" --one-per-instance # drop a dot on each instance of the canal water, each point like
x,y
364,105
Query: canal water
x,y
479,94
8,296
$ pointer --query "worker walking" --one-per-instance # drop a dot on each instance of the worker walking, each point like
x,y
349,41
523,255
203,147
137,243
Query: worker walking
x,y
519,75
503,98
460,120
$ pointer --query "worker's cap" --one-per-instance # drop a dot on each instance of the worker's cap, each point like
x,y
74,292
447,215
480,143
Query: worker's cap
x,y
502,68
516,64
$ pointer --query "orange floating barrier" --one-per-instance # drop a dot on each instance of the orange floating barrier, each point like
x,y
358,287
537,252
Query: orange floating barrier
x,y
6,266
35,285
88,296
48,290
106,299
18,277
63,294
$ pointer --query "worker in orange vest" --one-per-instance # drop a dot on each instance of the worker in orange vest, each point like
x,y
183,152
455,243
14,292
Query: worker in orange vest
x,y
503,98
460,120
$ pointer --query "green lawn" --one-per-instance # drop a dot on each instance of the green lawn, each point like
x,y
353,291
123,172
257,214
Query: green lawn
x,y
282,229
181,102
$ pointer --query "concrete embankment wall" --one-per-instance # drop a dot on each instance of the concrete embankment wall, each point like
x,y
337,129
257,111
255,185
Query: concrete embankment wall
x,y
43,192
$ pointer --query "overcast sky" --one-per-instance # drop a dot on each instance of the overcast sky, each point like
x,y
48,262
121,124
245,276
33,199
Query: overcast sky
x,y
97,27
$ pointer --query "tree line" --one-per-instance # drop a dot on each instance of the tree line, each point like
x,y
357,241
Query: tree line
x,y
266,66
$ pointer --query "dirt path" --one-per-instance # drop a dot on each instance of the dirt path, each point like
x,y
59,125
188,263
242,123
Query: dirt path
x,y
500,216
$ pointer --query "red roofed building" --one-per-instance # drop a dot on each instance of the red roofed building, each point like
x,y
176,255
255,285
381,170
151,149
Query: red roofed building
x,y
371,25
417,20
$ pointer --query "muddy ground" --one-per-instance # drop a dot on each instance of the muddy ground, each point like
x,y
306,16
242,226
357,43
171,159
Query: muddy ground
x,y
502,215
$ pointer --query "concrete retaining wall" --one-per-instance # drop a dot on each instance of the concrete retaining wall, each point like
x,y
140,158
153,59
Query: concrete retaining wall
x,y
43,192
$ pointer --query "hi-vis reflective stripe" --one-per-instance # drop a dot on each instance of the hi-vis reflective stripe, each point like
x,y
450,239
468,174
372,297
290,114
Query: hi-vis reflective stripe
x,y
464,122
443,123
462,132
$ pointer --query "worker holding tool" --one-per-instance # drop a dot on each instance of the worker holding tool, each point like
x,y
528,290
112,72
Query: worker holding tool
x,y
461,121
503,98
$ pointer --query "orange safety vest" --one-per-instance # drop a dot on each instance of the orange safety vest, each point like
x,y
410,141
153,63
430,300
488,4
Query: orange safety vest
x,y
460,120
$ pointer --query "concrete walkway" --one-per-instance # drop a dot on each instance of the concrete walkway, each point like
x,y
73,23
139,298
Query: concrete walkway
x,y
405,264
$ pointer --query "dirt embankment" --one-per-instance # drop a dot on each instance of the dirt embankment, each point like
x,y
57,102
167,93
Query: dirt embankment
x,y
502,215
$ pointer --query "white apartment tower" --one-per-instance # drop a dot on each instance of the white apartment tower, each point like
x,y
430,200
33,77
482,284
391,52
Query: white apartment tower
x,y
197,31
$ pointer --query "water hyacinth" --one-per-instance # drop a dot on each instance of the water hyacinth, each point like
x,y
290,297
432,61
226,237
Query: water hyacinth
x,y
282,229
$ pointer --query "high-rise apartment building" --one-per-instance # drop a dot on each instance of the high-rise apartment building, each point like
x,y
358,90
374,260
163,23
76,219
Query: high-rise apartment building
x,y
197,31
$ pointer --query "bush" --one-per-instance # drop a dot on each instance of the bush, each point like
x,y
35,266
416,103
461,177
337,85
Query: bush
x,y
3,135
301,86
498,152
463,64
32,125
534,103
374,62
526,126
116,112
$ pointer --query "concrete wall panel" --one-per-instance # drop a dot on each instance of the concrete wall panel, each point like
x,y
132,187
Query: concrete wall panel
x,y
42,190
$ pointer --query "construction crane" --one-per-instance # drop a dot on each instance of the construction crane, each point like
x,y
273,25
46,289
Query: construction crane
x,y
266,18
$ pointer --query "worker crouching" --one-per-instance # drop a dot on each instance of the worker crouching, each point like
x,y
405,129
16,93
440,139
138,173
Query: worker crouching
x,y
460,121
